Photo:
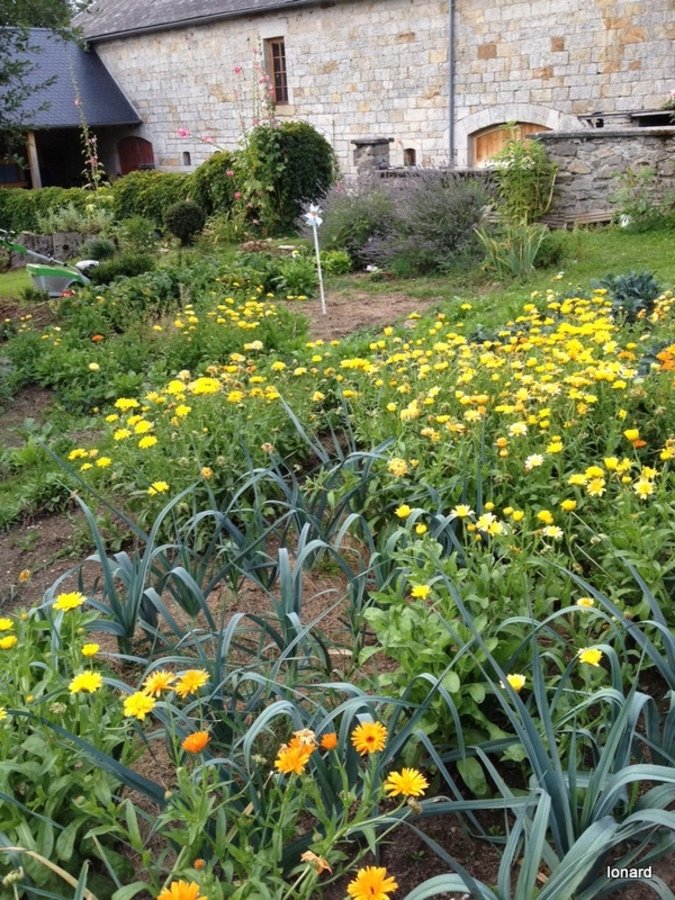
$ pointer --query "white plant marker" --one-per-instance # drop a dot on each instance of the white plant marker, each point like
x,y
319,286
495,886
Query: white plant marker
x,y
313,218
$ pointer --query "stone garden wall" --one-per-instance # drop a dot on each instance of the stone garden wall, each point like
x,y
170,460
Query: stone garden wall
x,y
589,161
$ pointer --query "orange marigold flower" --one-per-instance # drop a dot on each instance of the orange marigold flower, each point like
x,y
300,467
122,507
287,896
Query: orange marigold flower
x,y
97,338
369,737
329,741
195,742
292,759
199,863
182,890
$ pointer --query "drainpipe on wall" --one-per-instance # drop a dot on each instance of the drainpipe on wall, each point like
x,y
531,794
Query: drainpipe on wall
x,y
451,84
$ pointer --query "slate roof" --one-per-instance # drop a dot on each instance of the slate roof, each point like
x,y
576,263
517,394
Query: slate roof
x,y
106,19
71,67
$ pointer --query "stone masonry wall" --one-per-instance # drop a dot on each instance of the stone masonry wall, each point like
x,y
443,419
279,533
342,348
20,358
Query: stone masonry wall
x,y
380,67
589,162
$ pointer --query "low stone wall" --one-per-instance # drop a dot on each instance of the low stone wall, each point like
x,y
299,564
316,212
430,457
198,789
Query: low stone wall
x,y
61,245
589,161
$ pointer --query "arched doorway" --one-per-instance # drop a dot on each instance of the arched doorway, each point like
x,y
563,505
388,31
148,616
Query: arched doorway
x,y
486,143
135,153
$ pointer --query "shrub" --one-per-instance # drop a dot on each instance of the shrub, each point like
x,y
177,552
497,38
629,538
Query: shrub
x,y
90,220
353,219
125,265
211,187
433,223
309,168
137,233
640,204
297,276
335,262
98,248
185,220
148,194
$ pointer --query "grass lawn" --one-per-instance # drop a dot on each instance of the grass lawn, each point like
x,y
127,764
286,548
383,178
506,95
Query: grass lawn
x,y
12,283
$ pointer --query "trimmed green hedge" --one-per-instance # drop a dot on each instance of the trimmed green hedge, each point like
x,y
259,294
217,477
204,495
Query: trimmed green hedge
x,y
20,208
149,194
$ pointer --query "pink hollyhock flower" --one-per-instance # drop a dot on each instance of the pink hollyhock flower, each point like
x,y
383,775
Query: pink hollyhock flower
x,y
229,173
237,70
183,132
237,195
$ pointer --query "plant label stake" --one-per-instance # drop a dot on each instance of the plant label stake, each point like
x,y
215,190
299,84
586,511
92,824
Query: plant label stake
x,y
313,217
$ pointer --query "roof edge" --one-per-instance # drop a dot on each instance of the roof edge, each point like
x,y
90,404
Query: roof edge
x,y
197,20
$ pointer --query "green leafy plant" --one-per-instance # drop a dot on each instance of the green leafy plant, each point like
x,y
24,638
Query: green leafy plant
x,y
639,200
513,251
99,248
633,294
525,179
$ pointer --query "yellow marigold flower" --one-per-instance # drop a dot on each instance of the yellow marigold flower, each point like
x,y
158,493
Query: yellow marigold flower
x,y
138,705
643,487
182,410
317,397
24,576
461,511
517,515
121,434
568,505
403,511
591,656
126,403
69,601
206,472
329,741
516,681
113,417
195,742
595,487
369,737
3,713
611,463
143,426
421,528
420,591
372,883
518,429
181,890
6,643
578,479
406,783
278,366
397,467
293,758
553,531
585,602
545,516
204,386
147,442
90,649
190,681
594,472
632,434
6,624
159,681
77,453
85,682
158,487
555,447
103,462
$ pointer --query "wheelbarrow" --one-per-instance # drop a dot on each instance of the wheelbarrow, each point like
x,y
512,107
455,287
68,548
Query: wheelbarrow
x,y
51,275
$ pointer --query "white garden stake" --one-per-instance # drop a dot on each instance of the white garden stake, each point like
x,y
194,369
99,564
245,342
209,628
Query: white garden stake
x,y
312,217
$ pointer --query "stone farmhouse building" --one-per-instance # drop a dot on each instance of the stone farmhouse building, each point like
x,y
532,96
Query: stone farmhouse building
x,y
419,82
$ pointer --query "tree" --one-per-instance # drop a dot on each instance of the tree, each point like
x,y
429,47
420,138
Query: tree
x,y
17,89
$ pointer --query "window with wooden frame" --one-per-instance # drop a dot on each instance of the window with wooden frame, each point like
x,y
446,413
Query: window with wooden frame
x,y
275,66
